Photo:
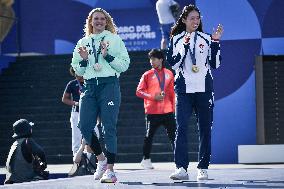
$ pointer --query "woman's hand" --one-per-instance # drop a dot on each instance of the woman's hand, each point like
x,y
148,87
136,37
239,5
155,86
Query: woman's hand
x,y
186,39
83,52
216,35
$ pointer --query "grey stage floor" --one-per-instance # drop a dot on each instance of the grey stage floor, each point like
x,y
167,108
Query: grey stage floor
x,y
131,176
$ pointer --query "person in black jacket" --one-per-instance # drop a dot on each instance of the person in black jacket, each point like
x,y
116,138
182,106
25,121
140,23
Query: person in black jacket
x,y
26,160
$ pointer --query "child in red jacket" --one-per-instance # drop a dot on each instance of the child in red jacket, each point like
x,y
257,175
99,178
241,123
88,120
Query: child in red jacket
x,y
156,87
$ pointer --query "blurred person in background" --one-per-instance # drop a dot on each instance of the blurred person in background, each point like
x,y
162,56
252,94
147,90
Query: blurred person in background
x,y
71,97
26,160
156,87
167,11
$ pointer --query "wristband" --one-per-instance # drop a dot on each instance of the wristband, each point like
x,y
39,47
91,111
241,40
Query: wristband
x,y
83,63
109,58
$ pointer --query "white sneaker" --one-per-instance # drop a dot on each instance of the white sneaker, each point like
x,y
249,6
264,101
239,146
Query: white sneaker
x,y
108,177
146,164
101,169
202,174
179,174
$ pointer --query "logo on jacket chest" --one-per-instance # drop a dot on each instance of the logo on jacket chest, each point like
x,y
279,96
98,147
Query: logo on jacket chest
x,y
201,48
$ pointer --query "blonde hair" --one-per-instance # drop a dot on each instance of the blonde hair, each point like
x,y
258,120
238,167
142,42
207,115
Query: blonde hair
x,y
110,25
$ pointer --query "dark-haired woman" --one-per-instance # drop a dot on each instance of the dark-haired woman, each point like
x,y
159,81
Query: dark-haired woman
x,y
191,54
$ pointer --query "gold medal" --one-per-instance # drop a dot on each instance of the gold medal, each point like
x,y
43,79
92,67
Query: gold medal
x,y
195,69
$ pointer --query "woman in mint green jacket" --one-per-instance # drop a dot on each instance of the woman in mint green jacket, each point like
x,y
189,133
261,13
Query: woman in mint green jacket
x,y
100,57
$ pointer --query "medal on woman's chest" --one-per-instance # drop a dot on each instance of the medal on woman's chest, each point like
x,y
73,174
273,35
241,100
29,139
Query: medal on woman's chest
x,y
97,66
195,68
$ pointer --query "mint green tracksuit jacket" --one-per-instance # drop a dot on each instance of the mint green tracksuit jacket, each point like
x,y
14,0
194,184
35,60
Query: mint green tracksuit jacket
x,y
101,96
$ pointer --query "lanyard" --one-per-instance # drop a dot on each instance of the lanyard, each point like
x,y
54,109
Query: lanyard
x,y
161,83
192,54
96,53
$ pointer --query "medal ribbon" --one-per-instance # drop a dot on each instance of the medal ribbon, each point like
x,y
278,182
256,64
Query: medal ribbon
x,y
96,53
161,83
192,54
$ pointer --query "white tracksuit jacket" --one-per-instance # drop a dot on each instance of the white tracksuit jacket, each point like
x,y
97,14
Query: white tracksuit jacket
x,y
207,54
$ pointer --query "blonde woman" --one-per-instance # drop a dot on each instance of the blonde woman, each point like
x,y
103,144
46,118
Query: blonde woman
x,y
100,57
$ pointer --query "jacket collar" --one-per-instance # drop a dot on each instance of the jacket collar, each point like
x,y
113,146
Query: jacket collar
x,y
100,35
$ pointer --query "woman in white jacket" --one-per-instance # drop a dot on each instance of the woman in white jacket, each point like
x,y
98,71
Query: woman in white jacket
x,y
191,54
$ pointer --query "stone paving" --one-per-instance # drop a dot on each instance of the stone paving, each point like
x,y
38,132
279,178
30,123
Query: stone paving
x,y
131,176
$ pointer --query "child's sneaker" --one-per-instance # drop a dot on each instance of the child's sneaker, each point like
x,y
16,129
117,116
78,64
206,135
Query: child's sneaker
x,y
108,177
101,169
146,164
202,174
179,174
